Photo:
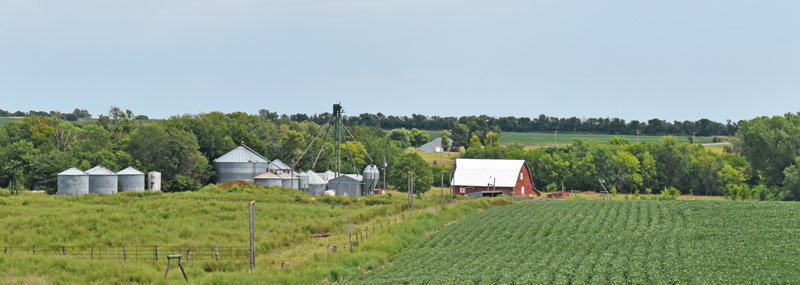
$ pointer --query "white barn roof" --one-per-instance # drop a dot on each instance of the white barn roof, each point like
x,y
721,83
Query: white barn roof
x,y
481,172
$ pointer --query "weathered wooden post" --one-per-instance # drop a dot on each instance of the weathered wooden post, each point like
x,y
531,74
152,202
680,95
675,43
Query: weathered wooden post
x,y
252,211
63,250
410,190
187,253
351,242
34,249
156,252
5,251
216,252
125,254
92,252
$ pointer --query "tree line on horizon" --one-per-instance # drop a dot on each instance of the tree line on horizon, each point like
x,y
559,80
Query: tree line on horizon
x,y
542,123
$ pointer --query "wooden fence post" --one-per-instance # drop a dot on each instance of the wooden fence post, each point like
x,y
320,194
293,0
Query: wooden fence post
x,y
252,211
156,253
351,242
6,249
34,249
92,252
216,251
125,254
187,252
63,250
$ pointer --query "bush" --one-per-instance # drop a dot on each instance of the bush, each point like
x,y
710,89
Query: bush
x,y
182,183
552,187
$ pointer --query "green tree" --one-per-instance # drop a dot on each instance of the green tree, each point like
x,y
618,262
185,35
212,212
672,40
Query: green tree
x,y
475,142
411,162
419,137
770,145
791,182
171,151
628,174
492,139
445,140
401,137
15,164
460,135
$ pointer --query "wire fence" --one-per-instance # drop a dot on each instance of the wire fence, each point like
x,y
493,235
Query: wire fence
x,y
136,253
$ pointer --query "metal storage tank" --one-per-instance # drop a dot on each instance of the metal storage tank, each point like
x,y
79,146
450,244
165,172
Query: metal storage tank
x,y
102,180
377,174
241,163
73,182
327,175
289,180
154,181
316,185
268,179
131,179
370,179
347,185
302,181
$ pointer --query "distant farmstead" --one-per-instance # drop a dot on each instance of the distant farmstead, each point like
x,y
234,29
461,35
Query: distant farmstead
x,y
492,177
433,146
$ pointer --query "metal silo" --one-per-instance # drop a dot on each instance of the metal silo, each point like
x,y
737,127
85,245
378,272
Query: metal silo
x,y
369,180
289,180
131,179
316,185
102,180
73,182
241,163
268,179
154,181
302,181
347,185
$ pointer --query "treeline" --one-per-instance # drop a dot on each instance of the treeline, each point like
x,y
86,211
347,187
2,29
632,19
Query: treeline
x,y
74,116
543,123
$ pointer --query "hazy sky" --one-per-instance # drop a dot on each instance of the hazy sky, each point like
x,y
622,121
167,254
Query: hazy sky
x,y
675,60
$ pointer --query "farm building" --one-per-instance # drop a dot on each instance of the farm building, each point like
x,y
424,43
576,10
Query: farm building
x,y
433,146
492,177
241,163
278,166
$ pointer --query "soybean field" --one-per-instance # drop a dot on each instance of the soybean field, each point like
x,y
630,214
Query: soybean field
x,y
599,242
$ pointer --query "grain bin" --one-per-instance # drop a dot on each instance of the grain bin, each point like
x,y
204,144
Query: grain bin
x,y
268,179
154,181
102,180
316,185
131,179
302,181
289,180
73,182
241,163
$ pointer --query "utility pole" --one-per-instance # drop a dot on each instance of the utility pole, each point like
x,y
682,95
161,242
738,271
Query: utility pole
x,y
337,118
556,136
441,187
694,137
410,190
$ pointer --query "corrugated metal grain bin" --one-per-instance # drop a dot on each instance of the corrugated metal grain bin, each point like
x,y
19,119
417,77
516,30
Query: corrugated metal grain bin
x,y
268,179
154,181
316,185
131,179
241,163
102,180
302,181
73,182
289,180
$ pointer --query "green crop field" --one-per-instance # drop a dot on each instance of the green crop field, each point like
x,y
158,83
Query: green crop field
x,y
544,139
285,221
602,242
6,120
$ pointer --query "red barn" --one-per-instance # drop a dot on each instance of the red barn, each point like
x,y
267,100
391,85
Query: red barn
x,y
493,177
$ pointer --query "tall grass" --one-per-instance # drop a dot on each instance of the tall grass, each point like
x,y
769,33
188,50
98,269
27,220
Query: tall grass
x,y
285,219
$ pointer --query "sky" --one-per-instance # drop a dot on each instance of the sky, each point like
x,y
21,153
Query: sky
x,y
635,60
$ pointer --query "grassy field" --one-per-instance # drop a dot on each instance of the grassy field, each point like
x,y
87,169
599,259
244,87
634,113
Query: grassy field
x,y
6,120
285,221
545,139
601,242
